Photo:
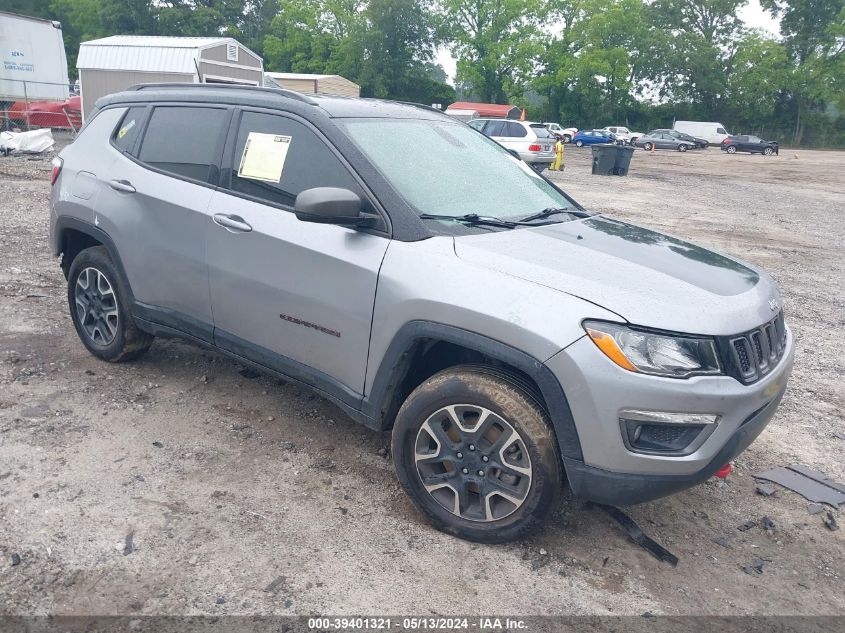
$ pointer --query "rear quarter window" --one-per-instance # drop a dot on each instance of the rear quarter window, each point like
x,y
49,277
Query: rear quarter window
x,y
127,131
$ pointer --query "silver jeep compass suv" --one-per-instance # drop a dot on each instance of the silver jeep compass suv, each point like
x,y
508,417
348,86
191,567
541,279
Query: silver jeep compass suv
x,y
512,341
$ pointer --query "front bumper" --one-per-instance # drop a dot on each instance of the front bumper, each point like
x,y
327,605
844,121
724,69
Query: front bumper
x,y
613,488
597,390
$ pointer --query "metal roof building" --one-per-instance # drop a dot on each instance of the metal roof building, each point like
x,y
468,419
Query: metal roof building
x,y
112,64
316,84
492,110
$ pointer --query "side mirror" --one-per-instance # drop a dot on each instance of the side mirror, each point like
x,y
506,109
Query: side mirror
x,y
331,205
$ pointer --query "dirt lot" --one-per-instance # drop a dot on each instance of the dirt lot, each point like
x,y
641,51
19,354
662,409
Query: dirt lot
x,y
246,495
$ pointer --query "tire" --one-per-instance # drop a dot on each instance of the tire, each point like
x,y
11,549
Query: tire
x,y
705,145
768,151
567,138
107,330
579,143
731,149
473,459
682,148
648,147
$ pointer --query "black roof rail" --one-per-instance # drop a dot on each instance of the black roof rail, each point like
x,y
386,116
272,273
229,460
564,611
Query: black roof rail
x,y
281,92
421,106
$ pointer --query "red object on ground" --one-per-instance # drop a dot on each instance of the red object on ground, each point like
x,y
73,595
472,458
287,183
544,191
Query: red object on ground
x,y
724,471
47,113
491,110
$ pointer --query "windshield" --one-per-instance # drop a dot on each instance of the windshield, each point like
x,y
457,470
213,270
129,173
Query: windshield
x,y
445,168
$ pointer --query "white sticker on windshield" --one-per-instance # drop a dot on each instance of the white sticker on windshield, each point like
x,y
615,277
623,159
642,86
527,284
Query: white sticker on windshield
x,y
264,157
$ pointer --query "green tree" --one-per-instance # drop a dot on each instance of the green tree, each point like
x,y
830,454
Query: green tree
x,y
397,41
496,43
814,36
762,75
595,65
699,55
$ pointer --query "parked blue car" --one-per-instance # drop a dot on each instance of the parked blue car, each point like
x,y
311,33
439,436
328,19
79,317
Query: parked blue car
x,y
591,137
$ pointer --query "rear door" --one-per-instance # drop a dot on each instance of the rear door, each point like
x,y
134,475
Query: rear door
x,y
155,209
294,296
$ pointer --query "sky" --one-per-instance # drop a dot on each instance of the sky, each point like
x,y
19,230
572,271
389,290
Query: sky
x,y
752,14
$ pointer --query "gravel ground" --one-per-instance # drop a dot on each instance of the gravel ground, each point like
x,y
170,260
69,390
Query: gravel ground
x,y
180,485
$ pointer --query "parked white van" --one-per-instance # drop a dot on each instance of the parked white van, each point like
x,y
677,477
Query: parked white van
x,y
711,131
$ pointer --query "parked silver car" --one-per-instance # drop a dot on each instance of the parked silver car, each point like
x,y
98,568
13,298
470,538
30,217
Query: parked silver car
x,y
512,341
663,140
533,142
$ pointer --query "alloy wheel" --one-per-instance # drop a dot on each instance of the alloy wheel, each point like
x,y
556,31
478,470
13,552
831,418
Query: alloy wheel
x,y
96,306
473,462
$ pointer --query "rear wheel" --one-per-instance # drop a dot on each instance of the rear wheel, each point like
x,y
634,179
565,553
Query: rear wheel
x,y
731,149
476,454
579,143
99,308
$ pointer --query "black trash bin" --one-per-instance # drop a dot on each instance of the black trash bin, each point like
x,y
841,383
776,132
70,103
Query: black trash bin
x,y
623,159
604,159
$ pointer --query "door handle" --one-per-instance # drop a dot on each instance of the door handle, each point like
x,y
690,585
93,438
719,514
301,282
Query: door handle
x,y
122,185
232,223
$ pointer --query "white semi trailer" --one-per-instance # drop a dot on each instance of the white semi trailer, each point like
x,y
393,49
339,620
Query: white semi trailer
x,y
32,57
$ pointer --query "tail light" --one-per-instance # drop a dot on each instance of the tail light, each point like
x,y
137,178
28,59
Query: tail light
x,y
727,140
57,169
533,148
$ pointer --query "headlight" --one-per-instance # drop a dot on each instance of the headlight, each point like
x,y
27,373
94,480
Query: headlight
x,y
653,353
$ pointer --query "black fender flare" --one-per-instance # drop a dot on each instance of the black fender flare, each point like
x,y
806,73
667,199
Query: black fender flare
x,y
64,223
398,358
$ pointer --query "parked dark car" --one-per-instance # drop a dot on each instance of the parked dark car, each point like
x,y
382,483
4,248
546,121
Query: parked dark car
x,y
748,143
663,140
683,136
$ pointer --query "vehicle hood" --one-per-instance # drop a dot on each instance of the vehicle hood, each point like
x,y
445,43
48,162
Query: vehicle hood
x,y
645,277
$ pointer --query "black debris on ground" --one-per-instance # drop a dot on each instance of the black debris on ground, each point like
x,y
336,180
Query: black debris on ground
x,y
829,521
158,444
755,568
16,559
249,374
723,541
747,525
276,584
766,490
128,544
815,508
767,524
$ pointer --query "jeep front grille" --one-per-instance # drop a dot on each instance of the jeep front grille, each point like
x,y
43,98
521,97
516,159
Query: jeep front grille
x,y
752,355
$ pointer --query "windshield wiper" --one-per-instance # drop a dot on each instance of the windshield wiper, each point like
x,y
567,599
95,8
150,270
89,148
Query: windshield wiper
x,y
554,211
472,218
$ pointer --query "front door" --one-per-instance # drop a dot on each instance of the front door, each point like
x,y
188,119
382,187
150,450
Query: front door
x,y
295,296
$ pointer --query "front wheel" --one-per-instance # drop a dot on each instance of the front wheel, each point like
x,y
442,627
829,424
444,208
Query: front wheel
x,y
768,151
648,147
567,138
476,453
99,308
579,143
682,148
